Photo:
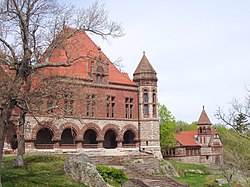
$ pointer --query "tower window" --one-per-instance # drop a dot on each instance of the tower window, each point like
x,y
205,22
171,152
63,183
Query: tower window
x,y
145,103
154,104
145,96
145,110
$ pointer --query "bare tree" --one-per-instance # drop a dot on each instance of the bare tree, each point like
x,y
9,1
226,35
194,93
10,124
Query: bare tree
x,y
27,29
238,116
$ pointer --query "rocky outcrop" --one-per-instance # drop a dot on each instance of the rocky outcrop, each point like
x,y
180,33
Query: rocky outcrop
x,y
83,171
152,166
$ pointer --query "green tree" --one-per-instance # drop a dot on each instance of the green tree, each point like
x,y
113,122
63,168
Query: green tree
x,y
236,153
167,128
27,29
241,123
184,126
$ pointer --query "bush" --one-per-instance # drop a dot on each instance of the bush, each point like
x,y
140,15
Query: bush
x,y
111,174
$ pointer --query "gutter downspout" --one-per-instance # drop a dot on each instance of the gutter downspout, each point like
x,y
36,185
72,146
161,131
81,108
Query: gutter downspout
x,y
139,122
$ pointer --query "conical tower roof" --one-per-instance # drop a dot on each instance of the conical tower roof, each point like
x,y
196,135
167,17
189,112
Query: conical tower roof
x,y
144,70
144,66
204,120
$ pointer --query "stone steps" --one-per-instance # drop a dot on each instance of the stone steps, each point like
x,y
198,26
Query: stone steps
x,y
135,171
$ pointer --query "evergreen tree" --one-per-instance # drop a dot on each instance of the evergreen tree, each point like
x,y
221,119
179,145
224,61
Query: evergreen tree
x,y
241,123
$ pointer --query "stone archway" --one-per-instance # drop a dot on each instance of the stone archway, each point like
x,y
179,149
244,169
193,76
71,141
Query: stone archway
x,y
68,136
50,126
90,137
110,139
44,139
44,136
129,137
73,127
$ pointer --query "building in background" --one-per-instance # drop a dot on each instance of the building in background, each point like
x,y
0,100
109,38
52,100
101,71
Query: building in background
x,y
202,146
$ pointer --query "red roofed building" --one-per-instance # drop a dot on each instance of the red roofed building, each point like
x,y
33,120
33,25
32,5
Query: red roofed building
x,y
202,146
102,111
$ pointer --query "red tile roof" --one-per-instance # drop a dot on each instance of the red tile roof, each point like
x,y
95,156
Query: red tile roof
x,y
81,45
186,138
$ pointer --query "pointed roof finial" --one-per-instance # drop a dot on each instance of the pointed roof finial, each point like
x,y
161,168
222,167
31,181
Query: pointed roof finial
x,y
144,66
204,120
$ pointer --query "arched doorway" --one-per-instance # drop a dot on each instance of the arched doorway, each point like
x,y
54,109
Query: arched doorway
x,y
110,140
44,138
90,137
68,136
128,139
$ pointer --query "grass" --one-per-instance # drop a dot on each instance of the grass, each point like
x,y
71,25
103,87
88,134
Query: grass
x,y
39,171
194,179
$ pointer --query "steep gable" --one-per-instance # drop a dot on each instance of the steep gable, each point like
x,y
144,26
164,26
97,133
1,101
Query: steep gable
x,y
86,53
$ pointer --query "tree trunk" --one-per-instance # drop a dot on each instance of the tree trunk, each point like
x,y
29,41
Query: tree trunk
x,y
1,154
19,161
2,139
4,120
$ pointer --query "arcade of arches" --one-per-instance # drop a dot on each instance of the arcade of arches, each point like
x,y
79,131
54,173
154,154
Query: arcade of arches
x,y
110,137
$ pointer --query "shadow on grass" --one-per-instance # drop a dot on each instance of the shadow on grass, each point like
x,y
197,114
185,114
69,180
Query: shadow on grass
x,y
39,171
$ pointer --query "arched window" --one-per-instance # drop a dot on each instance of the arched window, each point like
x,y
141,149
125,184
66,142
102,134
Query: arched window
x,y
200,130
145,96
90,137
154,96
154,104
145,104
110,140
68,136
129,137
44,136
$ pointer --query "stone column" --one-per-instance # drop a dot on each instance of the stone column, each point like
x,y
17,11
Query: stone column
x,y
79,144
100,143
119,144
56,145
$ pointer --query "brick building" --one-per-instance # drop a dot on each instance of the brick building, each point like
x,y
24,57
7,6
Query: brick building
x,y
202,146
95,108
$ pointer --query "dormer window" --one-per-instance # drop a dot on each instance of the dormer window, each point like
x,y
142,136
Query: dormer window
x,y
100,75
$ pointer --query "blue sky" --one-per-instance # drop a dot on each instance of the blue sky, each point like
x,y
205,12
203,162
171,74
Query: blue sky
x,y
199,48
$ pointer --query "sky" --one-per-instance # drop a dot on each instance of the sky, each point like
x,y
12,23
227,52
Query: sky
x,y
200,49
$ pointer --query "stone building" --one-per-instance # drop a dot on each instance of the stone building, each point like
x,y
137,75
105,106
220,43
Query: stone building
x,y
202,146
93,107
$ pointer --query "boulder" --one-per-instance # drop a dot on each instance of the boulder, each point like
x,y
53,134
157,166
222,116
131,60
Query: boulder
x,y
82,170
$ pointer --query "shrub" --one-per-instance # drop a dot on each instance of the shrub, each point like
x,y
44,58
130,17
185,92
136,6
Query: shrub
x,y
111,174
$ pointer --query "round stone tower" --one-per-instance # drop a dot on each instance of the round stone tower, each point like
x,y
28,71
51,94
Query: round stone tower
x,y
146,80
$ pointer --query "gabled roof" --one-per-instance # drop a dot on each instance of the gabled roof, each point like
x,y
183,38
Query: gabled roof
x,y
186,138
79,45
204,120
144,66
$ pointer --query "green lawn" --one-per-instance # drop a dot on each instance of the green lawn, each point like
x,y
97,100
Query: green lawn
x,y
39,171
193,179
